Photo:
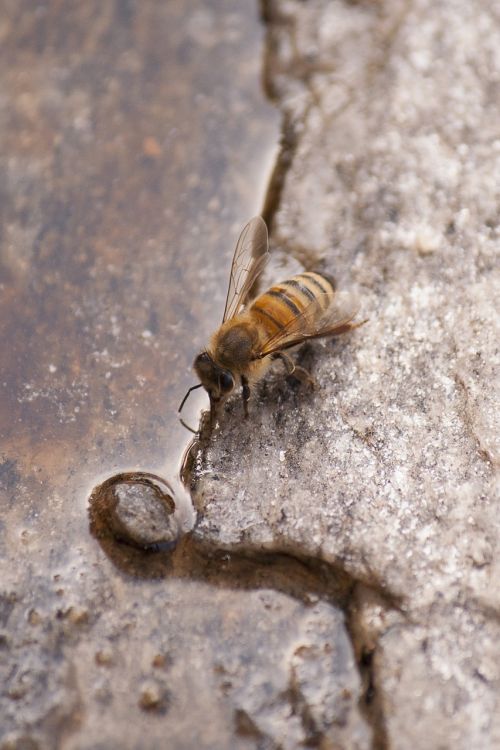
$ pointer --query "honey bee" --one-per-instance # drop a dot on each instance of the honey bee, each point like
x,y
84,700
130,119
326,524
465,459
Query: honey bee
x,y
254,333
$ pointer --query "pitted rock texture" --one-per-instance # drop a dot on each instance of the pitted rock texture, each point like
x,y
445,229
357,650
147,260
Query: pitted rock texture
x,y
391,181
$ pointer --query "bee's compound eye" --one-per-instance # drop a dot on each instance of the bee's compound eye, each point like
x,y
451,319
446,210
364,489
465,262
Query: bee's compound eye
x,y
226,381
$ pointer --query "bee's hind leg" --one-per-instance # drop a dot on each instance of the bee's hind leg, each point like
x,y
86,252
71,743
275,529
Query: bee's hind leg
x,y
287,361
295,371
304,376
245,392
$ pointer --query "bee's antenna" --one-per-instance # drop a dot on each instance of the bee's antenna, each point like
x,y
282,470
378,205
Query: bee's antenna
x,y
193,387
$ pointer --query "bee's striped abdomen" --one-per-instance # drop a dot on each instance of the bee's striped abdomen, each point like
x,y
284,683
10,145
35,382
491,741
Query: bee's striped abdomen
x,y
281,304
313,286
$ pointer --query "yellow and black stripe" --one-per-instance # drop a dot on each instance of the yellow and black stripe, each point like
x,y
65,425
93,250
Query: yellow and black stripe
x,y
285,302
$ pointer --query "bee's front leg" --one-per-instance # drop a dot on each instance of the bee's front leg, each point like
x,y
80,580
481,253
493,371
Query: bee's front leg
x,y
214,405
245,392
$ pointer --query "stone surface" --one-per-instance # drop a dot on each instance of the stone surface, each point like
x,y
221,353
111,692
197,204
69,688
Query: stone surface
x,y
391,180
340,587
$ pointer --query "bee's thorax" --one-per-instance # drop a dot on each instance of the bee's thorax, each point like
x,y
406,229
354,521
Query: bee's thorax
x,y
234,344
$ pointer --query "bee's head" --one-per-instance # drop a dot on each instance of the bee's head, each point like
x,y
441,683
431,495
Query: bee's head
x,y
217,381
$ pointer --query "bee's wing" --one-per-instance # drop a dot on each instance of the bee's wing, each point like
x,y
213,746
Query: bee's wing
x,y
249,259
336,319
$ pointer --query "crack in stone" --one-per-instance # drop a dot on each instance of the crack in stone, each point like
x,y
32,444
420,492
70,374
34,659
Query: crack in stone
x,y
300,708
468,420
366,649
246,727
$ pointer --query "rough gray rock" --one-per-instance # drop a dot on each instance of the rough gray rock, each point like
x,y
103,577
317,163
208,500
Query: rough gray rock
x,y
388,470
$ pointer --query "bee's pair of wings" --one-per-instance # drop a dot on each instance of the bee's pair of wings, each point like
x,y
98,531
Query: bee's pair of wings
x,y
250,258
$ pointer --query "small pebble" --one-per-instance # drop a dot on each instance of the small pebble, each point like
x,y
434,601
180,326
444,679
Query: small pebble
x,y
136,508
104,657
153,697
